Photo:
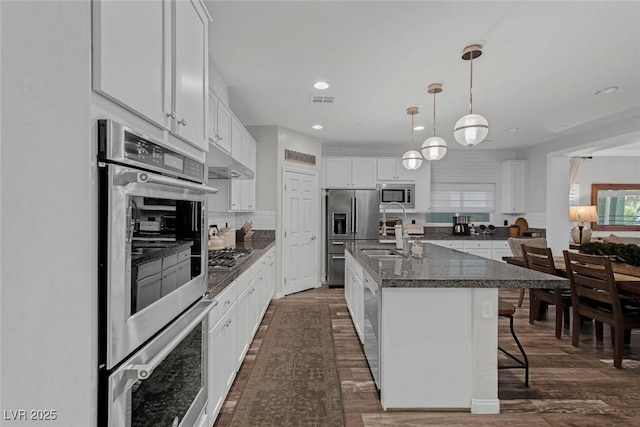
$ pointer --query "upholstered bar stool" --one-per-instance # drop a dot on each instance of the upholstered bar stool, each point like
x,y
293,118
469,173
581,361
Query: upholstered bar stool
x,y
506,309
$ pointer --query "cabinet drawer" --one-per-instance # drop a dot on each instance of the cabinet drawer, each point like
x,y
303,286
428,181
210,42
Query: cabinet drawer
x,y
149,269
169,260
225,300
184,255
453,244
500,244
478,244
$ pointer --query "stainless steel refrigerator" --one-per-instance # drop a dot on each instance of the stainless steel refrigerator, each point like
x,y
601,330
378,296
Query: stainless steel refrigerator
x,y
350,215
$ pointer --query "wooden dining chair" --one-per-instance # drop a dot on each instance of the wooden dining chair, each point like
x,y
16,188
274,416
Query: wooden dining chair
x,y
541,259
595,295
515,246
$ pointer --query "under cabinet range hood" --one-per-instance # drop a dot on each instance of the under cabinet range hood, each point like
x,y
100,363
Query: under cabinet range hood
x,y
221,165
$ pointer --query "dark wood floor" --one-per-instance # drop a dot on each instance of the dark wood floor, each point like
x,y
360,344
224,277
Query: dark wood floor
x,y
568,386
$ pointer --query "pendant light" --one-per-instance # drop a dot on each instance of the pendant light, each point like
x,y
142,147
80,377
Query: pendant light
x,y
412,159
434,148
471,129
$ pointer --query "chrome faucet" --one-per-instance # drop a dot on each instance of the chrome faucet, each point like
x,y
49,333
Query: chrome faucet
x,y
404,219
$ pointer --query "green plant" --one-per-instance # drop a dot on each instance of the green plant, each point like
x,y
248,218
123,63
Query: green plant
x,y
622,253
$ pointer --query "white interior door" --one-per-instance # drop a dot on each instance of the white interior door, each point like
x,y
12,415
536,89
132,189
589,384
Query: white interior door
x,y
299,221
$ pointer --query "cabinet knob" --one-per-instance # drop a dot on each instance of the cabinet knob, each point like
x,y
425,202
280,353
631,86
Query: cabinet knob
x,y
171,115
182,122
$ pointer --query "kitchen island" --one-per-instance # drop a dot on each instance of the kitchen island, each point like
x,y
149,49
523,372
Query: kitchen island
x,y
429,326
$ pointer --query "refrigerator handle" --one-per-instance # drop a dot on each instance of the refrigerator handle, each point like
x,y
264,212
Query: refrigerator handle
x,y
355,215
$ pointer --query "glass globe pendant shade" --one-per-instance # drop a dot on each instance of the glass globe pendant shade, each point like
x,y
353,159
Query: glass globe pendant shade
x,y
471,130
434,148
411,160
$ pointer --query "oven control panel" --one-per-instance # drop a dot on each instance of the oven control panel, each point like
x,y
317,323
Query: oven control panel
x,y
119,143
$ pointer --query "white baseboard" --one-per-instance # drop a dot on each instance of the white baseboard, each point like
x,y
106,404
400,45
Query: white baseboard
x,y
485,406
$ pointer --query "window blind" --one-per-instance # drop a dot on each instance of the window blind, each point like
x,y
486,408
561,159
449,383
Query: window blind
x,y
462,197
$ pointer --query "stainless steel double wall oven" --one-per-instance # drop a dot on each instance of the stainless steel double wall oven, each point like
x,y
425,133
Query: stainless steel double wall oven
x,y
152,279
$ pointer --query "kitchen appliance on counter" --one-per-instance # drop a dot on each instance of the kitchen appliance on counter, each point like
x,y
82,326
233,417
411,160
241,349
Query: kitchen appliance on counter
x,y
350,215
398,193
461,226
152,276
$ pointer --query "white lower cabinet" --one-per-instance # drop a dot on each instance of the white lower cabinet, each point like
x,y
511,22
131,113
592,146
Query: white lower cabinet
x,y
492,249
233,323
354,293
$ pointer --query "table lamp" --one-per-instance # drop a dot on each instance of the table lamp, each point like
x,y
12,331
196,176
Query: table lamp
x,y
582,214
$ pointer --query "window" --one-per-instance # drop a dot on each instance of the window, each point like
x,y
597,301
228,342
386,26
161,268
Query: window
x,y
462,197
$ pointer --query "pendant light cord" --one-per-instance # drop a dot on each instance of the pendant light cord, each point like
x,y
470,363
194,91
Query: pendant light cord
x,y
471,86
434,114
412,130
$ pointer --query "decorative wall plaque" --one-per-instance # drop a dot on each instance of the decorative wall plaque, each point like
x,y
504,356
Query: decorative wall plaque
x,y
296,156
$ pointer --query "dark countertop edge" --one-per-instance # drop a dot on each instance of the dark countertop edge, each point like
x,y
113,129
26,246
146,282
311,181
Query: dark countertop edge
x,y
542,283
217,281
162,252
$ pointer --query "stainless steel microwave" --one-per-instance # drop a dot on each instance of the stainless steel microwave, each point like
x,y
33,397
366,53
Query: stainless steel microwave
x,y
403,194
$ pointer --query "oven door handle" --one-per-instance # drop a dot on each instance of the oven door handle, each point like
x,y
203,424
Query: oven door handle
x,y
142,372
144,177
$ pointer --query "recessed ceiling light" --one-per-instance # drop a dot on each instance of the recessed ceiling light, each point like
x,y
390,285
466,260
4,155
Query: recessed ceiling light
x,y
606,90
512,130
418,128
317,127
321,85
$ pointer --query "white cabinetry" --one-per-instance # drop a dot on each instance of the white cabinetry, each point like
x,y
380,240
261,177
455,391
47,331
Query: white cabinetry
x,y
350,172
423,187
513,177
492,249
233,323
354,293
219,123
160,73
222,365
499,249
392,170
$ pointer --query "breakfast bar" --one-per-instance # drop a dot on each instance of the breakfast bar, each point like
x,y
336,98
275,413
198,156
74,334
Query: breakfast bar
x,y
429,326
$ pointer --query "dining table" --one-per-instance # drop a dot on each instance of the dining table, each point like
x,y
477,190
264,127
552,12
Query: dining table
x,y
628,285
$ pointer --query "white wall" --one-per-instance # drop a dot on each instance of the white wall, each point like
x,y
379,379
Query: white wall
x,y
48,247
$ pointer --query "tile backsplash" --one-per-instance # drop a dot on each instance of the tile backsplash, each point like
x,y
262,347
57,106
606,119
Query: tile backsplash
x,y
262,220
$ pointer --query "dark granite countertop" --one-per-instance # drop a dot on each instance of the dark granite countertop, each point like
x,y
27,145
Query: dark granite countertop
x,y
218,280
149,252
447,268
444,233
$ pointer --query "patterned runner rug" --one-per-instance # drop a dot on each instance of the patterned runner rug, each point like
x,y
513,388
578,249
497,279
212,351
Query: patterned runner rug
x,y
294,381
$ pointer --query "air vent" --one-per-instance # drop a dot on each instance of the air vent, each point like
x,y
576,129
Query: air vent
x,y
314,99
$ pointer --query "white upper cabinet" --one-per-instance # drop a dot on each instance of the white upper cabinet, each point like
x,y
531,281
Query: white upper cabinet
x,y
350,172
248,150
513,180
191,77
236,139
219,123
151,58
392,170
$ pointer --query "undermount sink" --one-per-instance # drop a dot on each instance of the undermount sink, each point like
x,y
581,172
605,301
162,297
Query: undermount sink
x,y
381,253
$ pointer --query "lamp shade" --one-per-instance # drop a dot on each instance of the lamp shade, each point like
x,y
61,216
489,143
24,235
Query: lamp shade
x,y
471,130
434,148
583,213
411,160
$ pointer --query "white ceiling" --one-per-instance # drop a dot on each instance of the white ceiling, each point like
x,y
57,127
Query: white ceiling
x,y
541,64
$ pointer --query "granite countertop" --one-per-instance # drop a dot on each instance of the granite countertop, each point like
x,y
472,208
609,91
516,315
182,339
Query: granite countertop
x,y
444,233
218,280
442,267
145,252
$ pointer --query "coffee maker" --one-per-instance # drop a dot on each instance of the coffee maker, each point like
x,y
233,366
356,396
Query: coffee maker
x,y
461,226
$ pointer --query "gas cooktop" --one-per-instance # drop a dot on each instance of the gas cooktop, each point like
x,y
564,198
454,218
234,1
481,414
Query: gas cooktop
x,y
226,259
